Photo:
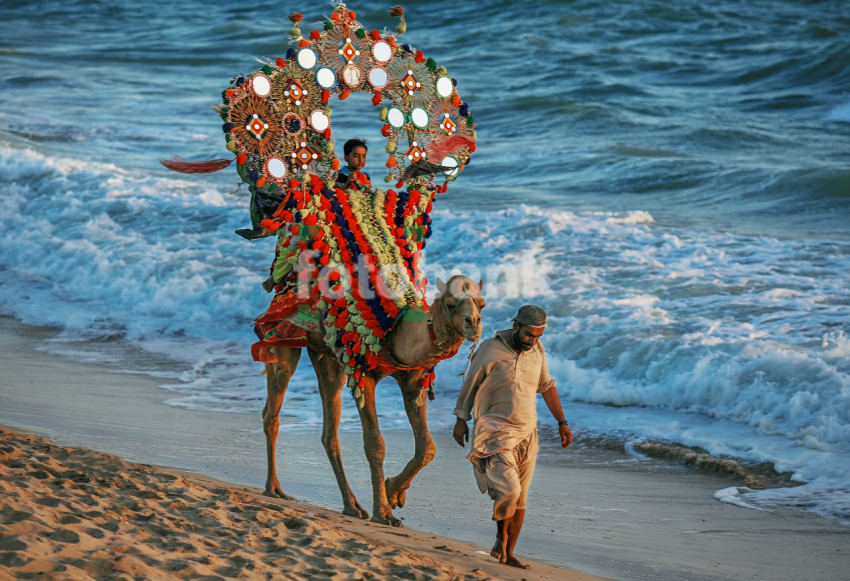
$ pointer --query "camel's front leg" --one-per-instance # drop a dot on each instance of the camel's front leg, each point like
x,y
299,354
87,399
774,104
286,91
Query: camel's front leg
x,y
410,383
331,381
373,445
277,380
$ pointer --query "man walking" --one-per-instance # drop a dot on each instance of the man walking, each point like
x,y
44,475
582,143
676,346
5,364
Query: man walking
x,y
500,392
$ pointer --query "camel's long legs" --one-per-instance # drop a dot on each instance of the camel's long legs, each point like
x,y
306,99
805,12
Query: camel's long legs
x,y
410,383
277,380
375,449
331,381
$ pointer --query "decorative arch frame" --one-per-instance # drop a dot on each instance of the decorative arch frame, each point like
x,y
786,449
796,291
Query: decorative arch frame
x,y
278,122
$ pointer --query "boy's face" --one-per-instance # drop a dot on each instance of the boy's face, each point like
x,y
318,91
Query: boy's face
x,y
357,158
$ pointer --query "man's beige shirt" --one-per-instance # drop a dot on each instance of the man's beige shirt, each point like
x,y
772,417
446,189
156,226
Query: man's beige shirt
x,y
500,391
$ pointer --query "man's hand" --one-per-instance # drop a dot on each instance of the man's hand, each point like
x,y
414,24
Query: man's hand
x,y
566,435
461,432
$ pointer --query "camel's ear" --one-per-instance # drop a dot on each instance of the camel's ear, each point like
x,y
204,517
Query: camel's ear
x,y
441,286
480,284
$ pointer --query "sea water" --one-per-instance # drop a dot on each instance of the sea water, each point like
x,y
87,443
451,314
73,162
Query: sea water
x,y
670,181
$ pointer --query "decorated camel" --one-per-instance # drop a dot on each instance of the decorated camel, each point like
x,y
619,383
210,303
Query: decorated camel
x,y
347,273
413,347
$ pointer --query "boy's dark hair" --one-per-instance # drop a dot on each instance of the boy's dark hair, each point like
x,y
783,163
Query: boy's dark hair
x,y
352,143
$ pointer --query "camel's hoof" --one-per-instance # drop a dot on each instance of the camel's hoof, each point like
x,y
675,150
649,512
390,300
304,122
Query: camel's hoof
x,y
396,498
356,511
387,520
277,493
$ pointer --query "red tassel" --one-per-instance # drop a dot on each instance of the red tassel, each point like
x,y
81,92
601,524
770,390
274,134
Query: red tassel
x,y
315,35
375,35
376,100
179,164
419,56
326,96
439,148
280,62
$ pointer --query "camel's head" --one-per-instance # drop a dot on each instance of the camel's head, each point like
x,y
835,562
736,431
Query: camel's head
x,y
462,302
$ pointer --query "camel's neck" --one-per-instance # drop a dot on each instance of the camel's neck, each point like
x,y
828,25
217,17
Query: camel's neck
x,y
425,343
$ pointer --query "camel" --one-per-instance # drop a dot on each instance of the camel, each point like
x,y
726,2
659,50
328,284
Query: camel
x,y
414,347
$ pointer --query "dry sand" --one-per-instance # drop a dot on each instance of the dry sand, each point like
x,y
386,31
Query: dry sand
x,y
69,513
591,511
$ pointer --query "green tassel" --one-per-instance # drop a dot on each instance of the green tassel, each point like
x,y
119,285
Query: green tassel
x,y
469,120
267,69
432,64
360,33
329,25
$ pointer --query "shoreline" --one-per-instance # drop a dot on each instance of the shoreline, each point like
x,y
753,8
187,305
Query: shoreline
x,y
601,514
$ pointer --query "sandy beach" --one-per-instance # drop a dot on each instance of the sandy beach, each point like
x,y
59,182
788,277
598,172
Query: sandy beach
x,y
129,487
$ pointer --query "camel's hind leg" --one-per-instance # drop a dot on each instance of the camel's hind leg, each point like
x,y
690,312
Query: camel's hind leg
x,y
277,380
373,445
331,381
410,383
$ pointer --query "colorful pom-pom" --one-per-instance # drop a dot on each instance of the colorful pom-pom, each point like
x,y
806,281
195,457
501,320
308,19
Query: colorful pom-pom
x,y
296,17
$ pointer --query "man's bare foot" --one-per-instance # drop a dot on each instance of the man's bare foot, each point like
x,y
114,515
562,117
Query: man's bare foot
x,y
496,551
513,562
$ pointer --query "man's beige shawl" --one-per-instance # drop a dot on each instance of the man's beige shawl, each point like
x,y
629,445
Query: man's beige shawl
x,y
500,390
